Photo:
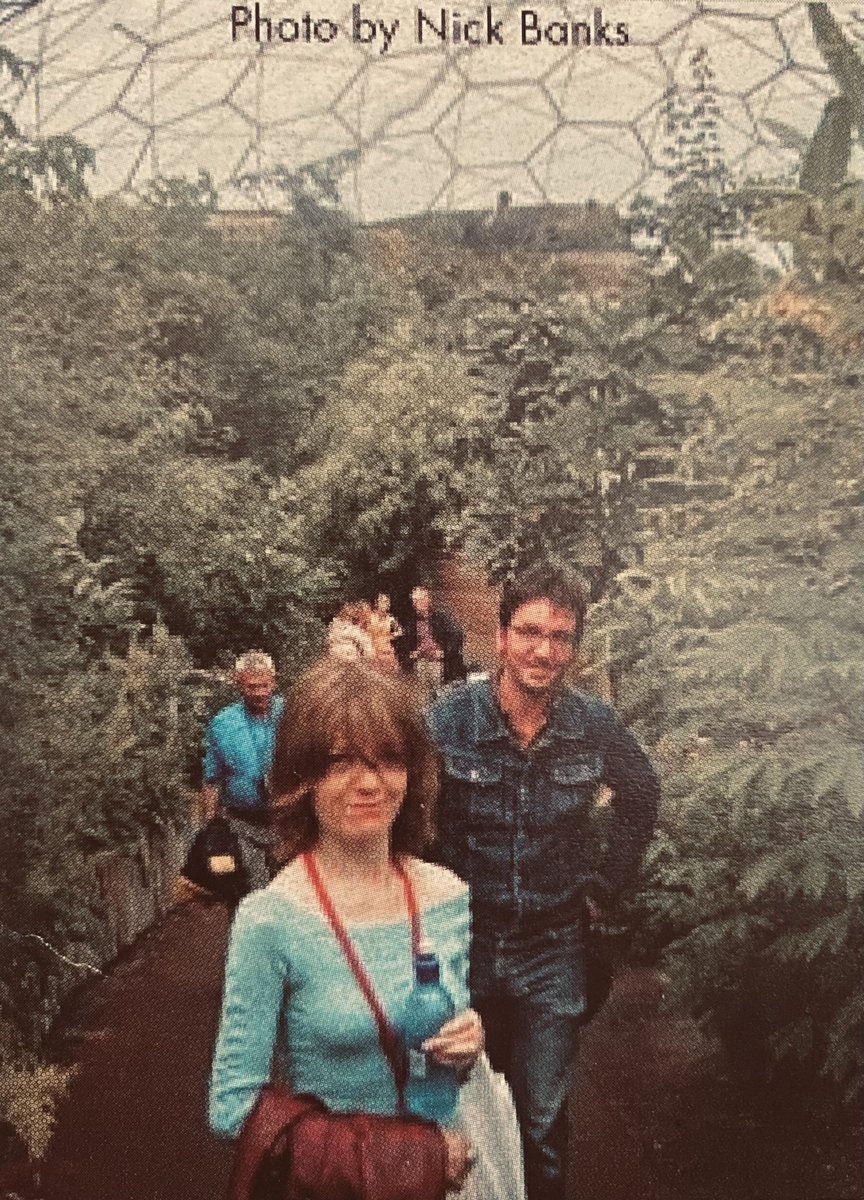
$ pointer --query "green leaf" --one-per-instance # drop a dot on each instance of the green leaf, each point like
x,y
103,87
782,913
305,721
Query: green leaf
x,y
843,61
845,1046
826,159
814,877
767,870
12,63
854,880
807,944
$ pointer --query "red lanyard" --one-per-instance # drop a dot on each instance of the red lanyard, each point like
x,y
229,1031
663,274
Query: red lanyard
x,y
387,1035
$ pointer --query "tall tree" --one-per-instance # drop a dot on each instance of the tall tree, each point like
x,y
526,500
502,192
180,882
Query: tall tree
x,y
699,202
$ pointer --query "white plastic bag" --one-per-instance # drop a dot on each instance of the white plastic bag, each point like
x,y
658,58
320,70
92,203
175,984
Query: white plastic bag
x,y
488,1120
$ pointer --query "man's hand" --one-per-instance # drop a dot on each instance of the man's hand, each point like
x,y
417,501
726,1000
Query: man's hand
x,y
460,1159
458,1042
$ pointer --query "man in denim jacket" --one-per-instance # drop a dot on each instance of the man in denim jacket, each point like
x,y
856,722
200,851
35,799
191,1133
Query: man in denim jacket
x,y
524,758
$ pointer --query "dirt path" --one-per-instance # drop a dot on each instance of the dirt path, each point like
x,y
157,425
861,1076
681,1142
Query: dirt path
x,y
653,1116
133,1126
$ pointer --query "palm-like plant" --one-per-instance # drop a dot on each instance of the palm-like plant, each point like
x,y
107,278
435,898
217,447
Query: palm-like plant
x,y
825,156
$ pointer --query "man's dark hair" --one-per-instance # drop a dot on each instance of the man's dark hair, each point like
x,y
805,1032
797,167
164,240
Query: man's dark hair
x,y
545,581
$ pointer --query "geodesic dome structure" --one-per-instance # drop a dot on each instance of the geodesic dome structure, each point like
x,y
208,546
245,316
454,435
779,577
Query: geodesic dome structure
x,y
164,87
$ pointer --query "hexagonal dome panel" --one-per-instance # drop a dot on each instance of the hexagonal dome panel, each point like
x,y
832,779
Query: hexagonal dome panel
x,y
164,86
604,162
608,89
472,131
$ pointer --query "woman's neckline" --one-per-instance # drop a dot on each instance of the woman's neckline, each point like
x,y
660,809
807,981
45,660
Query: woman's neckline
x,y
313,909
351,923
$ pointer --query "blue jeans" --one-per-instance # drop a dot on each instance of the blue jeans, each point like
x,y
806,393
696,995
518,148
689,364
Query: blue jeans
x,y
529,989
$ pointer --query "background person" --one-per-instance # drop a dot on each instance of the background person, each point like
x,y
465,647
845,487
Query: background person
x,y
238,755
348,636
431,646
524,757
385,629
354,777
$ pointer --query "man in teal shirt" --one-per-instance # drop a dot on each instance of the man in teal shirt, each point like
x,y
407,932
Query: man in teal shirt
x,y
239,752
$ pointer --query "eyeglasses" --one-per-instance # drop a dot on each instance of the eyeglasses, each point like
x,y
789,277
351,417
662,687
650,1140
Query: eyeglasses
x,y
344,764
534,636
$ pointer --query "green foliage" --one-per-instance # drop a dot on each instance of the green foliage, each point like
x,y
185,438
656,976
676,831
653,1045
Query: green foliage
x,y
389,453
844,62
826,159
827,236
565,412
739,647
700,205
45,169
837,51
129,518
787,135
90,764
696,276
210,545
697,173
157,299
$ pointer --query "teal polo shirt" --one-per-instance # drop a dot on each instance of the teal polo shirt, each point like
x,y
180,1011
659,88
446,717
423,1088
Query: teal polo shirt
x,y
239,753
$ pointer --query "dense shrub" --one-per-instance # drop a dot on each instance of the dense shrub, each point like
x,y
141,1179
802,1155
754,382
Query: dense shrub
x,y
740,645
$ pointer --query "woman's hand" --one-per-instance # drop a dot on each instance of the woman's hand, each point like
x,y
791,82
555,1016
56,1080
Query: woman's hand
x,y
458,1042
460,1159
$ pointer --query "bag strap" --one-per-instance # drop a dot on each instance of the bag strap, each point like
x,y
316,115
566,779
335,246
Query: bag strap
x,y
387,1036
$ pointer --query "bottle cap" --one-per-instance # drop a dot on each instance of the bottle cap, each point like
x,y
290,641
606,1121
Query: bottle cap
x,y
426,966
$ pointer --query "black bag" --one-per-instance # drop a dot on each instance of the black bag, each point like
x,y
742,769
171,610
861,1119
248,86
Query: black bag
x,y
217,840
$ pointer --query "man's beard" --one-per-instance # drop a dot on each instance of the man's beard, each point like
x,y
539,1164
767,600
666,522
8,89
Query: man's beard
x,y
538,690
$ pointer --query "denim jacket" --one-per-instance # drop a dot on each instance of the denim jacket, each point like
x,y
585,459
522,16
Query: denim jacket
x,y
514,823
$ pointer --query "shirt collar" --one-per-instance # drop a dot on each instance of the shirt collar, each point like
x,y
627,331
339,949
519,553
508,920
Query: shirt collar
x,y
489,722
566,716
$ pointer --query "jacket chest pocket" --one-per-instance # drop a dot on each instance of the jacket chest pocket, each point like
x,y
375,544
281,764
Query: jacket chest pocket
x,y
474,790
569,787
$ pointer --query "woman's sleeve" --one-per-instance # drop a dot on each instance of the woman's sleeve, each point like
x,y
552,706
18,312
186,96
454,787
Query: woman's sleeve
x,y
255,977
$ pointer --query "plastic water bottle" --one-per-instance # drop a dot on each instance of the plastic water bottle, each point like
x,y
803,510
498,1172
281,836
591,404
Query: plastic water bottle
x,y
432,1090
